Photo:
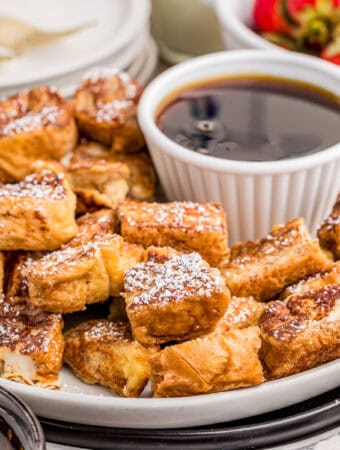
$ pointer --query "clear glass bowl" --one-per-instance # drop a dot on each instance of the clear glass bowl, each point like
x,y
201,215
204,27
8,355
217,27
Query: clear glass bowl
x,y
17,417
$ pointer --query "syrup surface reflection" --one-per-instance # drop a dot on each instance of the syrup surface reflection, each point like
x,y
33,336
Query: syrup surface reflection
x,y
252,119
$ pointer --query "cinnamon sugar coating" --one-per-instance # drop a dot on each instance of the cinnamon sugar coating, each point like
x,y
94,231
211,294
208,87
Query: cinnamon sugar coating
x,y
329,232
100,184
263,268
213,363
302,332
331,275
176,300
35,124
87,270
104,352
38,213
105,106
142,181
184,226
31,343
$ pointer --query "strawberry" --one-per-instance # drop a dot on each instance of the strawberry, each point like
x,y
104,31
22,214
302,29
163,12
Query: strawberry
x,y
331,53
269,18
314,22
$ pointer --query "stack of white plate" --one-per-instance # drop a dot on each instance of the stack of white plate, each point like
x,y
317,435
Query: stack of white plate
x,y
117,37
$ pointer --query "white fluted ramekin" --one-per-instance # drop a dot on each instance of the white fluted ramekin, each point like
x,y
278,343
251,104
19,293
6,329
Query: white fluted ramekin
x,y
236,22
256,195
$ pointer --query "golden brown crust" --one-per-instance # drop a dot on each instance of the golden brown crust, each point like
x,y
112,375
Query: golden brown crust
x,y
242,312
185,226
99,184
263,268
329,276
177,300
142,174
88,269
16,283
36,124
329,232
105,106
214,363
301,333
142,182
103,352
37,213
31,343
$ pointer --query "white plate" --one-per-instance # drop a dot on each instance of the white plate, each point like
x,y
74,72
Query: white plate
x,y
94,405
117,22
68,83
150,63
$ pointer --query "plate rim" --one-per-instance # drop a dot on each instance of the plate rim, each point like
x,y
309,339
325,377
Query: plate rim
x,y
321,416
152,406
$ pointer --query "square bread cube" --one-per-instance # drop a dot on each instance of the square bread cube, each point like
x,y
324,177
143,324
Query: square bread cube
x,y
104,352
176,300
263,268
66,280
87,270
302,332
105,107
213,363
34,124
185,226
329,232
38,213
16,289
242,312
90,225
142,182
329,276
99,184
31,344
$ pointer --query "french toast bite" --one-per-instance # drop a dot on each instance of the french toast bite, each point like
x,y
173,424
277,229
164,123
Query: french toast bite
x,y
176,300
212,363
331,275
38,213
31,344
242,312
100,184
142,174
329,232
142,181
105,106
263,268
89,269
185,226
104,352
35,124
302,332
99,223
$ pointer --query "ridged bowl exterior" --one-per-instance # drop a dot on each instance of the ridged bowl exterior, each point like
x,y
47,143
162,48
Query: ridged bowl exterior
x,y
255,195
254,203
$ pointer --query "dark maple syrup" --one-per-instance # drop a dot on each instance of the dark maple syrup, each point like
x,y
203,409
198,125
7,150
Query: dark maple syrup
x,y
251,118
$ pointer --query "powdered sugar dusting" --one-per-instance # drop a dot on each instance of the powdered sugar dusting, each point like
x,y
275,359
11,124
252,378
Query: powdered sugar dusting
x,y
45,184
184,215
103,330
48,115
179,277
